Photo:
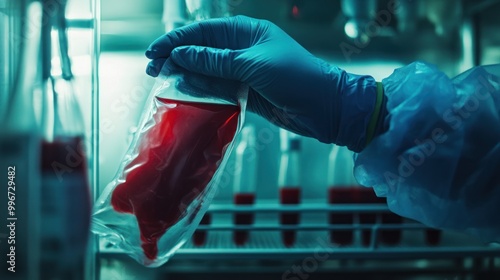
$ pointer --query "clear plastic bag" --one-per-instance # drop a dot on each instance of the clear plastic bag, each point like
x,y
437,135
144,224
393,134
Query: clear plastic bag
x,y
173,166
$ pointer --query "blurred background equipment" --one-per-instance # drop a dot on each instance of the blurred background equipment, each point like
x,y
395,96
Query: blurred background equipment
x,y
174,14
330,228
20,143
48,70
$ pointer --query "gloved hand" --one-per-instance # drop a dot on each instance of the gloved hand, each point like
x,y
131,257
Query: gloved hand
x,y
289,86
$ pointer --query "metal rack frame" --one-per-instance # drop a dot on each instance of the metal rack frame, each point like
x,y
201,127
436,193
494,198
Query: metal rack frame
x,y
267,243
463,259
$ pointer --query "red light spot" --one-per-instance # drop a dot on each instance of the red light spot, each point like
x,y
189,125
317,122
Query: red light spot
x,y
295,11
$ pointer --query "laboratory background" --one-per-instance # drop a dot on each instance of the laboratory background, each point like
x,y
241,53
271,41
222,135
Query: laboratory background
x,y
73,87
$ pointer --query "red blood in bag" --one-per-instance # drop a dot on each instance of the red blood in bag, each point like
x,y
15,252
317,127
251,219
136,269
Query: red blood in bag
x,y
176,158
341,195
241,236
289,196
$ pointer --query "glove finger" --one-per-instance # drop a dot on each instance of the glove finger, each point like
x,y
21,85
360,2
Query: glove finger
x,y
154,66
229,32
208,61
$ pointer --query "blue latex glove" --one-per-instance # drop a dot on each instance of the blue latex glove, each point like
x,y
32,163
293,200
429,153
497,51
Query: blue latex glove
x,y
289,86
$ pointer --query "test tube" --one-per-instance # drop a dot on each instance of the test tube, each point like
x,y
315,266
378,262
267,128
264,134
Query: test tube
x,y
200,236
289,182
390,236
245,181
367,195
433,236
341,191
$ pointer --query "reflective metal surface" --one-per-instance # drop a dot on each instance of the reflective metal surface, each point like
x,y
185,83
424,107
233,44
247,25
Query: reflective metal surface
x,y
12,14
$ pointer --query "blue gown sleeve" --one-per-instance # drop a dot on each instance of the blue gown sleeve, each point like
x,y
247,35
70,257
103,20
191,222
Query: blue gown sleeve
x,y
437,159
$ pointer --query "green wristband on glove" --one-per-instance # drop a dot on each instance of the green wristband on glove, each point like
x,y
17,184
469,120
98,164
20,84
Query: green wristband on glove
x,y
376,113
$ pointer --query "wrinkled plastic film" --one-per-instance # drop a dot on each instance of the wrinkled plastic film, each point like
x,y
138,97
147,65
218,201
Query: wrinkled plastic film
x,y
173,166
438,160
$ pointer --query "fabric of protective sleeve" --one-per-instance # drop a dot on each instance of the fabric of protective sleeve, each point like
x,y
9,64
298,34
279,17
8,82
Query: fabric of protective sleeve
x,y
438,160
